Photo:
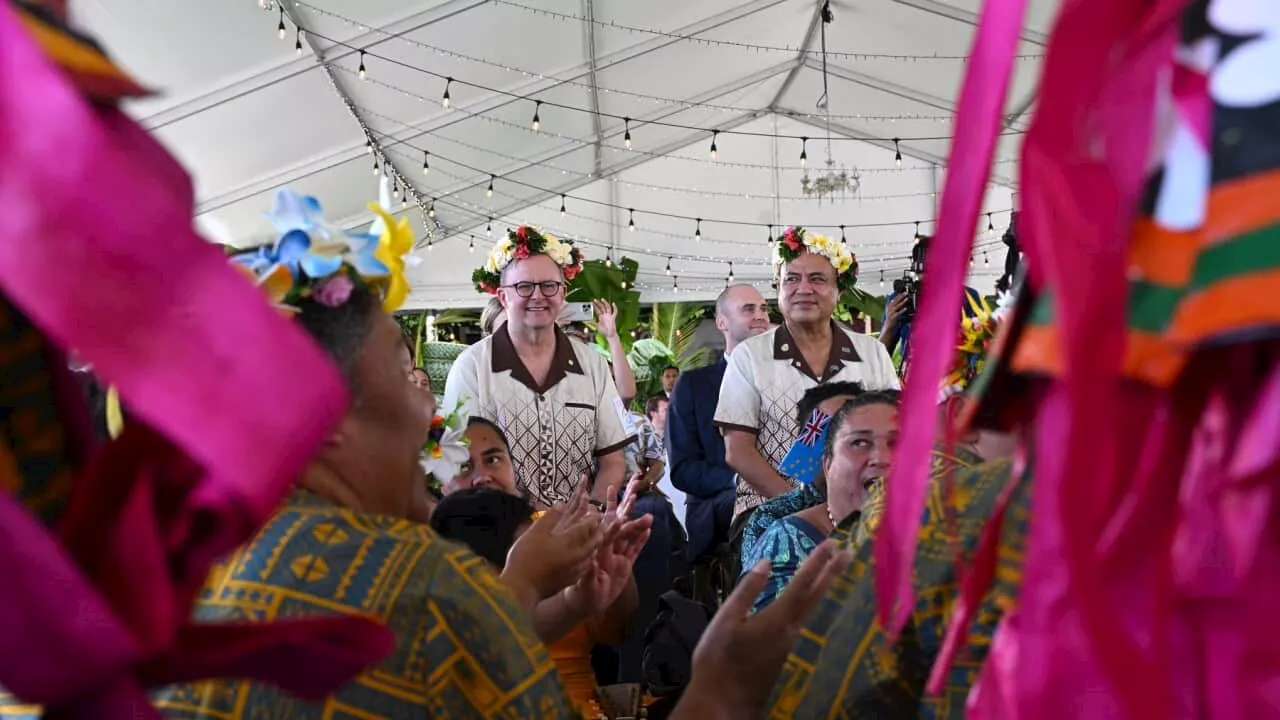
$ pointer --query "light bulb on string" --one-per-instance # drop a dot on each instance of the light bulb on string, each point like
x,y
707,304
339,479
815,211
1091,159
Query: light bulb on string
x,y
668,266
770,239
431,209
843,240
985,259
426,162
489,192
882,278
376,169
631,219
281,30
368,145
897,154
970,259
804,151
730,278
444,99
697,232
488,228
626,137
562,208
537,121
714,134
429,244
675,284
395,191
297,43
917,235
404,201
471,247
608,258
991,226
361,71
624,287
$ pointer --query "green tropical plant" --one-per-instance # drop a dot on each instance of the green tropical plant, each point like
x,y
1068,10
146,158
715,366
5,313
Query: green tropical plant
x,y
674,325
856,301
614,282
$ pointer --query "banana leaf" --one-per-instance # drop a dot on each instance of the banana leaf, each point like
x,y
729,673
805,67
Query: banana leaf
x,y
615,283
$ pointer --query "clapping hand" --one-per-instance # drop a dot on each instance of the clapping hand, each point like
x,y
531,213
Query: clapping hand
x,y
740,655
621,543
557,550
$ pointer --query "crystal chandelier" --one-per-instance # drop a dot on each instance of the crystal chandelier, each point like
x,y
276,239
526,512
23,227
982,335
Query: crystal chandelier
x,y
830,183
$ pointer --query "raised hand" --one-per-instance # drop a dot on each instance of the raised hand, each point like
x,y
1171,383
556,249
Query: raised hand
x,y
606,318
740,655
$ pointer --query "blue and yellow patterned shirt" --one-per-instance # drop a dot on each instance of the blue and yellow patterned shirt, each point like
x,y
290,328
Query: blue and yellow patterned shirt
x,y
464,649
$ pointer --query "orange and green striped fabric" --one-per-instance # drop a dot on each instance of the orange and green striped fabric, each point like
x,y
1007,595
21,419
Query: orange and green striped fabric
x,y
1187,289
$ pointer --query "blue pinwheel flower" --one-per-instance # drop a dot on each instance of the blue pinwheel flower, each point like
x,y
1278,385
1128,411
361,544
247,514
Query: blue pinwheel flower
x,y
361,255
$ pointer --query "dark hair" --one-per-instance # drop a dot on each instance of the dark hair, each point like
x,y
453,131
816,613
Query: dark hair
x,y
483,519
869,397
670,367
477,420
651,405
818,394
342,331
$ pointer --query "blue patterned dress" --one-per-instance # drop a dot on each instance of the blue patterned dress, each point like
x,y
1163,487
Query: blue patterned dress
x,y
785,544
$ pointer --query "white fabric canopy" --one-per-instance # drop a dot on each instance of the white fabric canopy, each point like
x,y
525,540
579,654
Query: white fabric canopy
x,y
247,114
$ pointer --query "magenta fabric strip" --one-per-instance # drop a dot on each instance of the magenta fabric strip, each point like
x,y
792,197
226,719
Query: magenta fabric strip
x,y
97,249
978,119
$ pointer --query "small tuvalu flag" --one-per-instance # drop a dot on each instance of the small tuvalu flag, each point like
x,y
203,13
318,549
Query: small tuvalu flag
x,y
804,459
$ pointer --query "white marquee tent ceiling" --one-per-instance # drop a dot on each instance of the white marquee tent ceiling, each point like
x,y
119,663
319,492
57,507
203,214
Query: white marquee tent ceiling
x,y
248,114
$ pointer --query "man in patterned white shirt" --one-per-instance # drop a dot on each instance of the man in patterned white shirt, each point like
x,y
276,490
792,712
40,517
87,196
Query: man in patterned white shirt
x,y
554,398
769,373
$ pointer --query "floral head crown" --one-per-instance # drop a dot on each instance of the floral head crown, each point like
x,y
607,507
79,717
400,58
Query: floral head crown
x,y
794,241
977,332
314,259
523,242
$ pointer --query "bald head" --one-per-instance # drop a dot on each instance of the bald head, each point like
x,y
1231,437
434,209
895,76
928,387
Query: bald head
x,y
741,313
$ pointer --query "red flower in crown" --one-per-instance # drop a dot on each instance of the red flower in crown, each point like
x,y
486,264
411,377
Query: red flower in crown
x,y
521,252
570,271
792,240
522,232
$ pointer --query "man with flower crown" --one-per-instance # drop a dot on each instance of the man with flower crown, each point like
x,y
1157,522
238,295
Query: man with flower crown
x,y
555,399
768,374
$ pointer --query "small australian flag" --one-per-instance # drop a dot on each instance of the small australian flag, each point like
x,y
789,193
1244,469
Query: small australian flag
x,y
804,459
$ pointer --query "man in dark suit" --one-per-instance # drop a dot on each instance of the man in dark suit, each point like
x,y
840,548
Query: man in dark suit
x,y
694,445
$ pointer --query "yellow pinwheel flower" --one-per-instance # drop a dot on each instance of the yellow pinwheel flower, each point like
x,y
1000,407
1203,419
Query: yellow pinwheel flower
x,y
396,242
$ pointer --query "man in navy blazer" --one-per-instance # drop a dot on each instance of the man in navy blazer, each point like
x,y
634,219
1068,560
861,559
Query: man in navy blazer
x,y
695,447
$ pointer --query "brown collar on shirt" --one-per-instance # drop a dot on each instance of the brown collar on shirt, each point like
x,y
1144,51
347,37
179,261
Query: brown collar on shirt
x,y
842,351
506,358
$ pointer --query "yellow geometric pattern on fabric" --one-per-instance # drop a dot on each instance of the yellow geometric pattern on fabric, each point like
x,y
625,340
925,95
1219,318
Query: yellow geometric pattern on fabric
x,y
843,666
464,649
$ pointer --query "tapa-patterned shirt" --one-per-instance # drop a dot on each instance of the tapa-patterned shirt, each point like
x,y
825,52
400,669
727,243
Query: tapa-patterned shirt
x,y
464,648
767,376
556,430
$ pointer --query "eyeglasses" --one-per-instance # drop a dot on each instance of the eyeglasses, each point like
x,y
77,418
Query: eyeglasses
x,y
549,288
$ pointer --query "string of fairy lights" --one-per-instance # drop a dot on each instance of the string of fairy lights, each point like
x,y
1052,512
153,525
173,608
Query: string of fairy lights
x,y
626,147
693,191
643,97
380,145
365,56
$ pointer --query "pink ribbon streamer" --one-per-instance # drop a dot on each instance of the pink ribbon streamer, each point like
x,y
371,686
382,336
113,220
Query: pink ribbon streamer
x,y
978,119
96,247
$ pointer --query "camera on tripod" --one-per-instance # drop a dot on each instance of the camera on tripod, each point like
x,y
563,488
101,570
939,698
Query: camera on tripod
x,y
909,283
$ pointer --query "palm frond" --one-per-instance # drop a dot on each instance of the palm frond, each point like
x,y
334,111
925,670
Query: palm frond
x,y
674,325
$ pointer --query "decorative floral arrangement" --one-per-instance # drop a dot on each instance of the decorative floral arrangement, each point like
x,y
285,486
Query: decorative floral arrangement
x,y
312,258
446,450
519,244
794,241
977,332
